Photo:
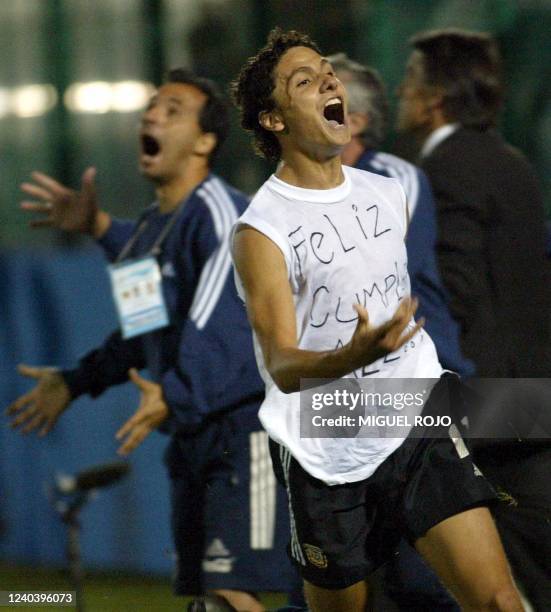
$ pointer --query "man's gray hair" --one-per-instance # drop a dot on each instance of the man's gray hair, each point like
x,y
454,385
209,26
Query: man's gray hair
x,y
366,94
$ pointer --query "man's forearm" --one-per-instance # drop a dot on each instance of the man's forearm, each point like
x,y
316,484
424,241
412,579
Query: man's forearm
x,y
288,366
105,366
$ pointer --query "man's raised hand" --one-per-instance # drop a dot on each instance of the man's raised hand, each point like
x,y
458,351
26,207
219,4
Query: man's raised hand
x,y
64,208
370,343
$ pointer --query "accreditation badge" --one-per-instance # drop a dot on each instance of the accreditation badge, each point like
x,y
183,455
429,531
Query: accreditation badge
x,y
137,290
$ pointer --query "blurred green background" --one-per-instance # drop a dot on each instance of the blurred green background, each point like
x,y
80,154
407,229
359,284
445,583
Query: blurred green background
x,y
63,42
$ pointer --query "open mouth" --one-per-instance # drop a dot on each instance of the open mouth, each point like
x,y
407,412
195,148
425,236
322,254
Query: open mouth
x,y
150,145
333,111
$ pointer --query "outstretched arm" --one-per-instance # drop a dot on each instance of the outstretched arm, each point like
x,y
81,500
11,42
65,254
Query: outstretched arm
x,y
262,269
105,366
41,407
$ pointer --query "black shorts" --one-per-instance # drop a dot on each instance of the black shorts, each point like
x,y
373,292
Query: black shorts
x,y
341,533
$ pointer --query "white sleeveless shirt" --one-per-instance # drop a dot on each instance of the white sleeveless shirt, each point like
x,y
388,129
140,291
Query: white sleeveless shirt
x,y
342,246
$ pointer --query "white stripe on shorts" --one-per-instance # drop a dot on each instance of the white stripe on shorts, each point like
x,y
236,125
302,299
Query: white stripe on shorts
x,y
262,498
296,550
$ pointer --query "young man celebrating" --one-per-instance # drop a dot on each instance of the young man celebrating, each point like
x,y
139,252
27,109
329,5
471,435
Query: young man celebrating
x,y
181,318
321,263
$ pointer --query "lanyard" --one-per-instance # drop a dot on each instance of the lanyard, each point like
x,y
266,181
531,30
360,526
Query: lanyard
x,y
156,248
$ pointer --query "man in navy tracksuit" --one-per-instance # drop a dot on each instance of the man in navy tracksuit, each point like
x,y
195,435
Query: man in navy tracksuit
x,y
408,579
181,318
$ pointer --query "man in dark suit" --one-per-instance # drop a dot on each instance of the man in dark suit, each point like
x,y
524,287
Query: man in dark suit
x,y
491,254
491,225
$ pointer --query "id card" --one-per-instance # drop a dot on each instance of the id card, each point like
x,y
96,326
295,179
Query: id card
x,y
137,290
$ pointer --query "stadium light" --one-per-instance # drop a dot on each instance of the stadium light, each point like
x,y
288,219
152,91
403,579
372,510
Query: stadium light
x,y
102,97
33,100
92,97
130,96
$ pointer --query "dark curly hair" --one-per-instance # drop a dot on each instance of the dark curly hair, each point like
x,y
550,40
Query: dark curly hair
x,y
214,116
467,65
253,88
